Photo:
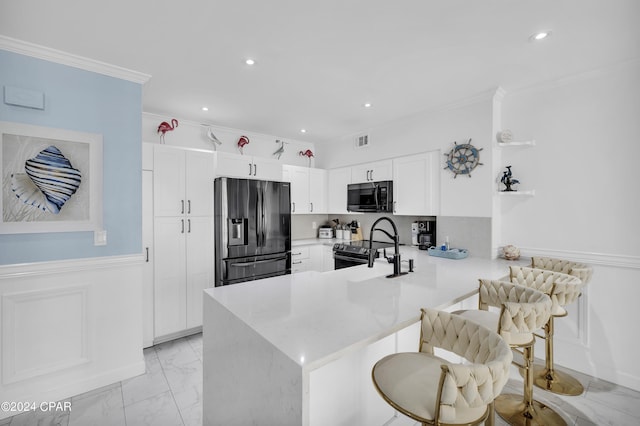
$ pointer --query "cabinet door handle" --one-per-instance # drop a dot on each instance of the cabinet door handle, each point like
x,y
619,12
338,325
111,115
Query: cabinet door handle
x,y
311,207
297,263
147,250
188,206
250,169
255,170
293,210
182,231
371,174
189,226
181,206
394,206
367,175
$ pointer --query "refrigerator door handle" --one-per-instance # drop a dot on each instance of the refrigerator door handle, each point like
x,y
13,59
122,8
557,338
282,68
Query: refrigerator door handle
x,y
263,225
257,213
247,264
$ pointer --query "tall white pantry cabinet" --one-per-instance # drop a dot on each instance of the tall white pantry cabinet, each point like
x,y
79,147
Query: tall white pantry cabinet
x,y
183,248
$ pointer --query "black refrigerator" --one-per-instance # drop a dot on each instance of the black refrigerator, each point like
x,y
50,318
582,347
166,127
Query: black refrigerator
x,y
252,229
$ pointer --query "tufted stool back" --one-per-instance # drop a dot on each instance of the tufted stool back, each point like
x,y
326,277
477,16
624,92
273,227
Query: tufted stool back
x,y
563,288
524,309
466,385
580,270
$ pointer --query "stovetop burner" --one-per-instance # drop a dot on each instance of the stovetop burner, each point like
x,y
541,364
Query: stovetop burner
x,y
360,247
375,244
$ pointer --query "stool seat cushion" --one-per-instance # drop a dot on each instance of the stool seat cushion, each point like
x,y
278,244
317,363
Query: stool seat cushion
x,y
409,382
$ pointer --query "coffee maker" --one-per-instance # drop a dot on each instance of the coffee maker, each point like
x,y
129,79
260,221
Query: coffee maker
x,y
426,236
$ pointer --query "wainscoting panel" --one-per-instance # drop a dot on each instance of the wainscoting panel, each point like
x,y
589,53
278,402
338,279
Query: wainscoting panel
x,y
69,327
43,331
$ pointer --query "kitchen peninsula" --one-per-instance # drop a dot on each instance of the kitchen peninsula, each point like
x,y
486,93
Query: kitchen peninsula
x,y
298,349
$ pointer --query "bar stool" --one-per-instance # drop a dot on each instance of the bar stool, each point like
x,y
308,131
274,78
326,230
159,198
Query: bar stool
x,y
523,311
546,376
563,289
434,391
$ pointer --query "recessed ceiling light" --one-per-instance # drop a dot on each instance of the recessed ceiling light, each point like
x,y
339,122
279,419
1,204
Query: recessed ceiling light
x,y
540,35
303,130
367,105
205,109
249,62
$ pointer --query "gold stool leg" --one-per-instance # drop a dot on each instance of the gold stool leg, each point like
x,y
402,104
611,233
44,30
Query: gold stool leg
x,y
547,378
525,411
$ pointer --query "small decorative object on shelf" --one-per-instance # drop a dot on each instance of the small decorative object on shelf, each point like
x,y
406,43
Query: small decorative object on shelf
x,y
242,142
165,127
505,136
463,158
213,138
308,153
511,252
280,150
508,180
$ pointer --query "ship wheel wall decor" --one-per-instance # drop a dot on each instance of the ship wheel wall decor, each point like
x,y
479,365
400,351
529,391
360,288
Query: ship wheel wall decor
x,y
463,158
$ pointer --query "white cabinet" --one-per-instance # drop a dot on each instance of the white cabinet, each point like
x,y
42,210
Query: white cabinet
x,y
183,181
248,167
372,172
307,258
308,189
183,236
148,251
328,263
337,190
416,184
317,191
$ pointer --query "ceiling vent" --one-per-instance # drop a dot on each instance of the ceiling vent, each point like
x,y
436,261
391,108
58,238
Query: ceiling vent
x,y
362,141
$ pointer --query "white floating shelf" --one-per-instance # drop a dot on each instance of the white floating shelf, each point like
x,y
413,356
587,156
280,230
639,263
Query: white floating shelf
x,y
529,193
517,143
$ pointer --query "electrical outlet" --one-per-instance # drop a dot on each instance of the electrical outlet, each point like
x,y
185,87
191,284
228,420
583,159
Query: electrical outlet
x,y
314,225
100,238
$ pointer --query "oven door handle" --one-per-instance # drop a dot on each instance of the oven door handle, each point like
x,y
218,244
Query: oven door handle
x,y
350,259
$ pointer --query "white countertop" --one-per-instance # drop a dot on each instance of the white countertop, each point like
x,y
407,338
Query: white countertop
x,y
315,317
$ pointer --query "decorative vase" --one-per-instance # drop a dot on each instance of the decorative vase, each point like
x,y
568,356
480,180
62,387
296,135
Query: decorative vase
x,y
510,252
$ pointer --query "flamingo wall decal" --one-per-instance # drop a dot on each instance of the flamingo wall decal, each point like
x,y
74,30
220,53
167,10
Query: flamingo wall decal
x,y
308,153
242,142
165,127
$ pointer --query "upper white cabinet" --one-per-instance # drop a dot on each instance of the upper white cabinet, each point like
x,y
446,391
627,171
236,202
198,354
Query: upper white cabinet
x,y
338,180
183,181
248,167
416,184
372,172
308,189
317,191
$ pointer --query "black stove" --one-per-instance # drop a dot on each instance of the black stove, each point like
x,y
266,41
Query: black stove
x,y
356,253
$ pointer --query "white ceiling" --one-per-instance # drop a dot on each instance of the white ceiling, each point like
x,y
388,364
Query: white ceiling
x,y
317,62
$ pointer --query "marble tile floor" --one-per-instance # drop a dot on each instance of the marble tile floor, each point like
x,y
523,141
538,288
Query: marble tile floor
x,y
170,393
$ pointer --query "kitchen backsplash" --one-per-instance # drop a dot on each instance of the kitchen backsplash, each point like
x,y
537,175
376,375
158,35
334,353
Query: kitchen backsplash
x,y
471,233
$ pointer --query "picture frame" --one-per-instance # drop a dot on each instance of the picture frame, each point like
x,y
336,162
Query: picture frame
x,y
51,179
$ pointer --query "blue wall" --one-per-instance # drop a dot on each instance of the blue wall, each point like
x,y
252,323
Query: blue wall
x,y
88,102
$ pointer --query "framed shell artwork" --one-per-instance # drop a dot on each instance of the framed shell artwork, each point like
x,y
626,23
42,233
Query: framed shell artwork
x,y
51,179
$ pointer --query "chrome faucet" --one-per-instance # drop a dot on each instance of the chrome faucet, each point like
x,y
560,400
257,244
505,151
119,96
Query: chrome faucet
x,y
396,243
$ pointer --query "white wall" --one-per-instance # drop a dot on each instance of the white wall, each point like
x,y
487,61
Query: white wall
x,y
189,134
427,131
584,169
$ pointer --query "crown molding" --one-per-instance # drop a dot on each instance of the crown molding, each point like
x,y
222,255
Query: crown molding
x,y
64,58
572,78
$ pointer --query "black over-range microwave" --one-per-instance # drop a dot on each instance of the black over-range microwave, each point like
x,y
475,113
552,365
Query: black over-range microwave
x,y
370,197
